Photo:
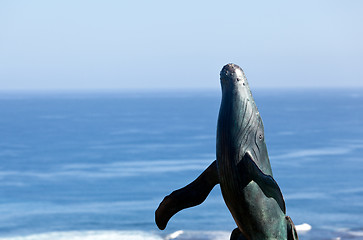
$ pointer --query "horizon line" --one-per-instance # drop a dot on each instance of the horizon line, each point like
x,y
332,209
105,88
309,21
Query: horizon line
x,y
171,89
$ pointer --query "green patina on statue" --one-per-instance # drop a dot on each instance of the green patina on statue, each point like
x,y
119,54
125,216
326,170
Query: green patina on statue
x,y
242,169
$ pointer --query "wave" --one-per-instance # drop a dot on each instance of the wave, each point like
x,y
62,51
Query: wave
x,y
123,235
218,235
314,152
356,233
109,170
303,229
131,235
13,211
89,235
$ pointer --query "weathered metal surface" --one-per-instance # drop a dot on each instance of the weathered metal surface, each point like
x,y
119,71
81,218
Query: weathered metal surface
x,y
242,169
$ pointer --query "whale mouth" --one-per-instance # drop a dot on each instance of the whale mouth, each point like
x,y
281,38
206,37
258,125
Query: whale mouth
x,y
231,74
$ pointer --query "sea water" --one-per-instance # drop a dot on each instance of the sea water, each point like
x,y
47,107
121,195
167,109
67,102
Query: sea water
x,y
96,165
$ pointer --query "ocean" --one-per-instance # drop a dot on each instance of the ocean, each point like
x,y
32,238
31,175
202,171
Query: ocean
x,y
82,166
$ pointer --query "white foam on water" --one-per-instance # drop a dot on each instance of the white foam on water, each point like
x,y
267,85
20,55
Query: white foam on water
x,y
200,235
347,233
89,235
356,233
174,235
303,228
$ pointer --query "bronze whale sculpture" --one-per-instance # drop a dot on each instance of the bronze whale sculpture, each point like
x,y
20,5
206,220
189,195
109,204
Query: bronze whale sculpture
x,y
242,169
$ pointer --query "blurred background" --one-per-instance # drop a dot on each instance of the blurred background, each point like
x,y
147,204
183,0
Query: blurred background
x,y
93,45
106,107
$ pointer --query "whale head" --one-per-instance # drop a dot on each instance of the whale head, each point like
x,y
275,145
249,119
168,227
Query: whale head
x,y
233,78
239,121
235,89
235,86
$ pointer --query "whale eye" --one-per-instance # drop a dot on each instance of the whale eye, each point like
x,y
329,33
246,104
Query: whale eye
x,y
259,135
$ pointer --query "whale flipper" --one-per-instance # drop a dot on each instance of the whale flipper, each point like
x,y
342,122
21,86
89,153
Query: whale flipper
x,y
267,184
189,196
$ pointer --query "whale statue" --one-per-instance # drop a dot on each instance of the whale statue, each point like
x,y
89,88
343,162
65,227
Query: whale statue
x,y
242,168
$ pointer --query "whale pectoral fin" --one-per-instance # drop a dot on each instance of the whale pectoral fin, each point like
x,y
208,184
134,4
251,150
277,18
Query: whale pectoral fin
x,y
189,196
267,184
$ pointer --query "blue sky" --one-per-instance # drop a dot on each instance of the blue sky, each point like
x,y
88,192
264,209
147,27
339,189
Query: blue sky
x,y
100,45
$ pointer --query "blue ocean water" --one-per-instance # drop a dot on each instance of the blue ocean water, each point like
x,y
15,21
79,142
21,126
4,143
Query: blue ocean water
x,y
96,165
